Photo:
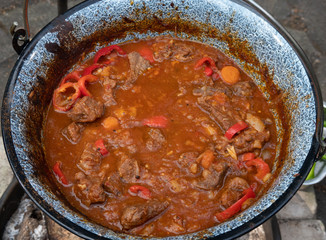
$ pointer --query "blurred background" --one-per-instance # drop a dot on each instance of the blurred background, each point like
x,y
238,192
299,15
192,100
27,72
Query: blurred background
x,y
305,216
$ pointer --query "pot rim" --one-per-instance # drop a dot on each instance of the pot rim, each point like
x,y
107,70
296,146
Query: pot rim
x,y
236,232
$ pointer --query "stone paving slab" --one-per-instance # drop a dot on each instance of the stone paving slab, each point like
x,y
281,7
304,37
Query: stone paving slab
x,y
303,205
302,230
5,170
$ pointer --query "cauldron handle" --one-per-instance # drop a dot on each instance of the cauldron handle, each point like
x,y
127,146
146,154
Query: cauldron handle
x,y
21,36
320,161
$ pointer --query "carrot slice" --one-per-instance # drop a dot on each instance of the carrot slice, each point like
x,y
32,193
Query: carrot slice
x,y
230,75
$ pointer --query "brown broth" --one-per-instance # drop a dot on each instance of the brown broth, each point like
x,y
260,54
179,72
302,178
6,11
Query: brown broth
x,y
158,92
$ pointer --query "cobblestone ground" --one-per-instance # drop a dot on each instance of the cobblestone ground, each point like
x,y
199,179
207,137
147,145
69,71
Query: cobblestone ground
x,y
304,215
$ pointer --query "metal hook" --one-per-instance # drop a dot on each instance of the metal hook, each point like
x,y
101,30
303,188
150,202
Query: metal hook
x,y
20,37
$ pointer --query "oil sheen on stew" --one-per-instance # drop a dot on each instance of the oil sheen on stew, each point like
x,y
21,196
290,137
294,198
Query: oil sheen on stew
x,y
159,137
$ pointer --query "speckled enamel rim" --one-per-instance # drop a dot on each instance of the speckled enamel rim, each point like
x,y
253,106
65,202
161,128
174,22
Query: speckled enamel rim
x,y
274,200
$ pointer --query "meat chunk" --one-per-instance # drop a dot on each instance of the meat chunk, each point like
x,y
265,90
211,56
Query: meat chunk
x,y
232,191
156,140
122,140
187,162
90,158
108,97
173,51
137,215
182,52
128,169
249,140
138,65
73,132
86,109
89,188
242,89
187,158
224,117
212,177
113,184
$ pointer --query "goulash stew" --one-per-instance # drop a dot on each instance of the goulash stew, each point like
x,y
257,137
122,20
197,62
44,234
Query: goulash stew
x,y
159,137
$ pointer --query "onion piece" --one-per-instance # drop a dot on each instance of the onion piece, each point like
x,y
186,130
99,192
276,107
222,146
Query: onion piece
x,y
255,122
232,152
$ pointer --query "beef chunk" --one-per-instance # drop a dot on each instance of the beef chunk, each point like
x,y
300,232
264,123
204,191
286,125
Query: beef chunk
x,y
187,158
108,97
249,140
138,65
156,140
113,184
137,215
232,191
89,188
122,140
128,169
90,158
182,52
173,51
225,118
187,163
212,177
86,109
242,89
208,91
73,132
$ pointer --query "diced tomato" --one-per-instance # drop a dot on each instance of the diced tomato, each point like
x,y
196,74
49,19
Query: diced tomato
x,y
57,171
156,122
147,53
65,96
140,191
100,146
82,83
248,156
235,129
236,207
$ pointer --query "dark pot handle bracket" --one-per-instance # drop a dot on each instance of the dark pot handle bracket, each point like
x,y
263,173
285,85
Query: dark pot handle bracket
x,y
21,36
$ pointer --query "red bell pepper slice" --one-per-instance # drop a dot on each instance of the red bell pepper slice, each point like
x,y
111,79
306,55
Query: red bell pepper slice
x,y
140,191
100,146
147,53
210,68
261,166
57,171
239,126
71,77
65,96
156,122
208,71
82,83
106,51
236,207
90,69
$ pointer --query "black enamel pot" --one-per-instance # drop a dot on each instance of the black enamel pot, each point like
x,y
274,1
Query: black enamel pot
x,y
241,29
